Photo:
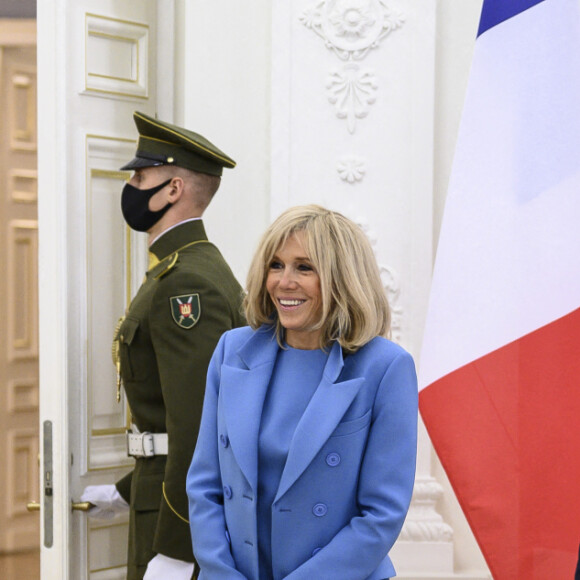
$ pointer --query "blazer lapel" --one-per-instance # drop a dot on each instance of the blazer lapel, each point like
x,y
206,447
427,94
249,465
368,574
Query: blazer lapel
x,y
243,394
325,410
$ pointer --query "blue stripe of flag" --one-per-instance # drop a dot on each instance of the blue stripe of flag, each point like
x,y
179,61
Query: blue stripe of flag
x,y
496,11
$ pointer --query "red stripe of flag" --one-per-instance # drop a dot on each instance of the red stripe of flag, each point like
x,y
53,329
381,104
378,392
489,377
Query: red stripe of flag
x,y
523,475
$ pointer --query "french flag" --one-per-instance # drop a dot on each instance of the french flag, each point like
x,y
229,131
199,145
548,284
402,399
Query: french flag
x,y
500,361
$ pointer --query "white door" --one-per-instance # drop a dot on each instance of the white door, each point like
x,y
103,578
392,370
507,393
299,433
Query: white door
x,y
97,62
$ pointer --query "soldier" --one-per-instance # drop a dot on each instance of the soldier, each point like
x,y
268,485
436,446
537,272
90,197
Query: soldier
x,y
165,341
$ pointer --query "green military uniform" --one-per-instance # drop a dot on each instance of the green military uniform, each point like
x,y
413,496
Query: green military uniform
x,y
164,344
164,357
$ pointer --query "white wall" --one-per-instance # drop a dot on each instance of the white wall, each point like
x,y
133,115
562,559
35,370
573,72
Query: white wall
x,y
223,92
457,22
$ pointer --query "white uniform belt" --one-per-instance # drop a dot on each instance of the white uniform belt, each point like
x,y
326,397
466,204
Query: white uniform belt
x,y
146,444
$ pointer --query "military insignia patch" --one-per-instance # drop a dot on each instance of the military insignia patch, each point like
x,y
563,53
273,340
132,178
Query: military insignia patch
x,y
186,310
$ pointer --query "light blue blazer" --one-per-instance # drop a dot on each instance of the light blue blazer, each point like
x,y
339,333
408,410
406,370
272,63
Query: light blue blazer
x,y
348,479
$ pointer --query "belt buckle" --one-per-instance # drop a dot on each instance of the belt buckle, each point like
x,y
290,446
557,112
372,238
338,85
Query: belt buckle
x,y
140,444
147,444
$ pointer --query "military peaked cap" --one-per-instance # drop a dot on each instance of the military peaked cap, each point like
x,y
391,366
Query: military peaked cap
x,y
162,143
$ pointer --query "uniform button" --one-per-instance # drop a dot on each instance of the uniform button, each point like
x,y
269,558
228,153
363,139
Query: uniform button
x,y
228,537
333,459
315,551
228,492
319,510
224,440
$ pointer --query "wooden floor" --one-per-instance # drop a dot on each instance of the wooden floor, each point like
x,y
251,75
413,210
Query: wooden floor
x,y
20,566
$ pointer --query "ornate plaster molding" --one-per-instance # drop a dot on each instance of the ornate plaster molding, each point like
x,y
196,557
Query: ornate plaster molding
x,y
351,168
423,523
351,29
390,280
391,284
351,91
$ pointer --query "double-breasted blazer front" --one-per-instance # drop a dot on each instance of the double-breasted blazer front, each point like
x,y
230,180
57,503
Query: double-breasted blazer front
x,y
348,478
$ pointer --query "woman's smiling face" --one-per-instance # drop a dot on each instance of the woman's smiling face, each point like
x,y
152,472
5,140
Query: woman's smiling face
x,y
294,287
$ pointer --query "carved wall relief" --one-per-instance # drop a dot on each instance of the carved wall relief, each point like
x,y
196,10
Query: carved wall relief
x,y
351,168
390,280
351,29
423,523
391,284
351,91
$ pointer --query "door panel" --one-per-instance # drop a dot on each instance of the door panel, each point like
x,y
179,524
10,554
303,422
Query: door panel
x,y
19,309
97,64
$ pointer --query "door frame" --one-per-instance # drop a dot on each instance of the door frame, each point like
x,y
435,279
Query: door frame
x,y
52,281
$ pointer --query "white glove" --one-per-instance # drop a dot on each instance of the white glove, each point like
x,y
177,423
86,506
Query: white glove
x,y
163,567
107,500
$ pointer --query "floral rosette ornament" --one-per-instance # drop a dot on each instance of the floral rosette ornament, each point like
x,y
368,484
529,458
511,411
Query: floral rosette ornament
x,y
352,27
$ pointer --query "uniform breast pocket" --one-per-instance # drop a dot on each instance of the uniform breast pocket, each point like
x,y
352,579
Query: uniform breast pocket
x,y
351,426
127,334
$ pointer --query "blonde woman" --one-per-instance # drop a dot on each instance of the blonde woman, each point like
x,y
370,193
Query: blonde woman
x,y
305,460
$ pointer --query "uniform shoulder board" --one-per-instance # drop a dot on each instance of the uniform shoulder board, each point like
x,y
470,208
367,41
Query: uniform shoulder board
x,y
168,265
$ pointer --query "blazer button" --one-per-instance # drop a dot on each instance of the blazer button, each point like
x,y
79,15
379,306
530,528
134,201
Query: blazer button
x,y
319,510
315,551
228,537
224,440
333,459
228,492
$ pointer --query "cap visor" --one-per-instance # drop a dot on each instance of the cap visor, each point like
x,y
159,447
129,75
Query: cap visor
x,y
138,162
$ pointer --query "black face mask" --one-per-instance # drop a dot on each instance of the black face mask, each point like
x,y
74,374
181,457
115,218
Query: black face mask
x,y
135,207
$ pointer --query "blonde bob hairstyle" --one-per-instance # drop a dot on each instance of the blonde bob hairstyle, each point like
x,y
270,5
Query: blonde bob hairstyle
x,y
354,303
